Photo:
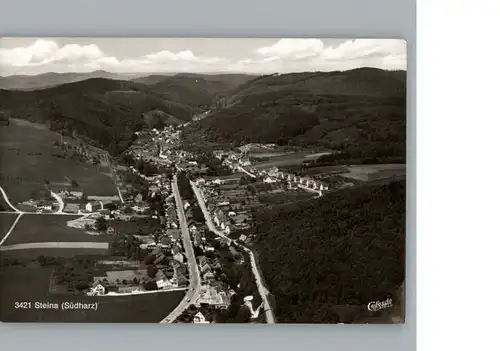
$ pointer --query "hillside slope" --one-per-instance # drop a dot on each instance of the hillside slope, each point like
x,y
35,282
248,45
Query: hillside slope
x,y
196,90
325,260
360,112
102,110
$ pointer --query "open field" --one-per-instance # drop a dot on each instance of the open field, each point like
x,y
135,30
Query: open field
x,y
32,285
29,159
3,205
234,176
6,220
375,172
49,228
325,170
135,226
289,159
268,153
285,197
33,253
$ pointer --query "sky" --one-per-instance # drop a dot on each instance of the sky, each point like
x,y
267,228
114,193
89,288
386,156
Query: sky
x,y
31,56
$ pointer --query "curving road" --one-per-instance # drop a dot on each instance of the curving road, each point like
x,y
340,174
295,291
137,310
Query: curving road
x,y
59,211
194,274
258,279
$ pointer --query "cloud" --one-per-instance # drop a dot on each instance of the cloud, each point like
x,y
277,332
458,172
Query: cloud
x,y
43,52
284,55
293,48
312,54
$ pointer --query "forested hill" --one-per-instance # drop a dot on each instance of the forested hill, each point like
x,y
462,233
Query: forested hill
x,y
361,112
107,111
200,90
346,248
104,111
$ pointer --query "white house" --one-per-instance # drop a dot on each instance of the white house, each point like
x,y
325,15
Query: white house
x,y
245,162
216,220
94,206
96,290
163,283
199,318
179,257
269,180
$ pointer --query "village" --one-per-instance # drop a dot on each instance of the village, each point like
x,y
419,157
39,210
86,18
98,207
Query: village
x,y
143,225
146,248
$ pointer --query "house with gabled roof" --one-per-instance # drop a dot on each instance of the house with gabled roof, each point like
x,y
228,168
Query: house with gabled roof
x,y
199,318
97,289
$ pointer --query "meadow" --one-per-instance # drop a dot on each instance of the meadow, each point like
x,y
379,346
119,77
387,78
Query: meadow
x,y
6,220
30,159
34,253
290,159
49,228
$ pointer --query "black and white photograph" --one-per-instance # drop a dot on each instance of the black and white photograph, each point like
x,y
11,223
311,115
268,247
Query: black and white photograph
x,y
203,180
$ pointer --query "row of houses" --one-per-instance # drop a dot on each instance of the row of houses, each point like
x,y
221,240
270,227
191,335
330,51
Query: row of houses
x,y
130,281
273,174
90,207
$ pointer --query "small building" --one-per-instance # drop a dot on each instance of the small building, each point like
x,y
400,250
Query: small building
x,y
208,276
97,289
163,283
179,257
269,180
199,318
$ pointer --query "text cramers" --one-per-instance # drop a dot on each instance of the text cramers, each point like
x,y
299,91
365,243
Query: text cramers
x,y
67,305
379,305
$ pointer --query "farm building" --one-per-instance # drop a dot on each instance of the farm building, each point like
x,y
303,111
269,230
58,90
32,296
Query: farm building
x,y
114,198
72,208
94,206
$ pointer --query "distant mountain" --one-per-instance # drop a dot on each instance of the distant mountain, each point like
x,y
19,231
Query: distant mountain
x,y
104,111
47,80
230,80
151,79
360,112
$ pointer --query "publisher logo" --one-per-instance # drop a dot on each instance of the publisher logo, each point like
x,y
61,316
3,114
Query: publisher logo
x,y
375,306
